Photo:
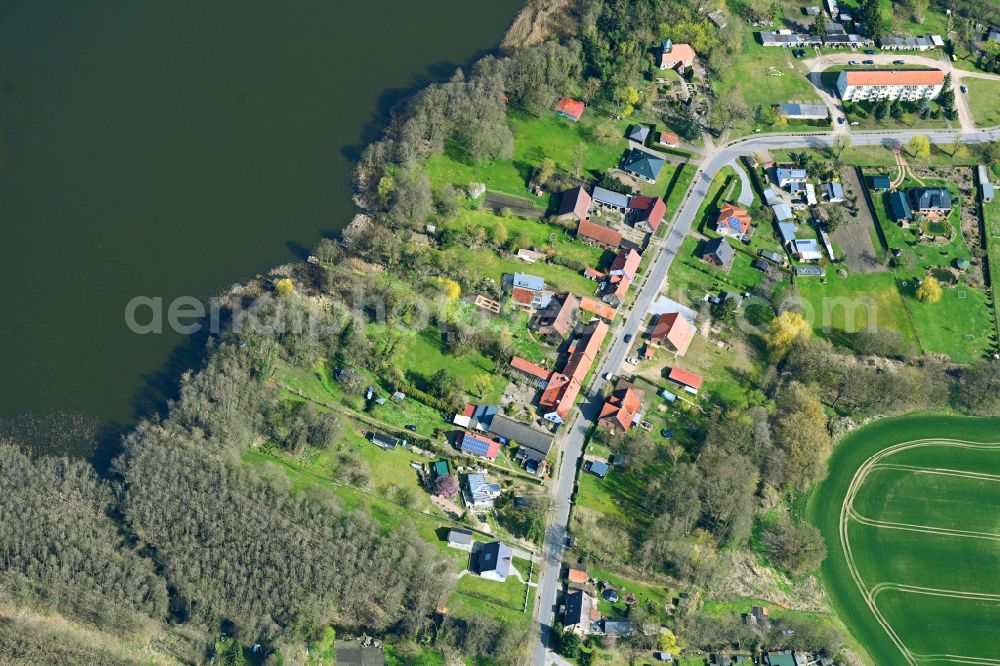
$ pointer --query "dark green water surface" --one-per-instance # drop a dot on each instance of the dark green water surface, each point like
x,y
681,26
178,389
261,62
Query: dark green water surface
x,y
172,148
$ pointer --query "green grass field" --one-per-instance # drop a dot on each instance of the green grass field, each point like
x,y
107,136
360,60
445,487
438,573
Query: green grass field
x,y
984,101
534,140
960,325
843,306
893,561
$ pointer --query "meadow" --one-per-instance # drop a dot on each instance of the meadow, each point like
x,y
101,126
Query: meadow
x,y
932,588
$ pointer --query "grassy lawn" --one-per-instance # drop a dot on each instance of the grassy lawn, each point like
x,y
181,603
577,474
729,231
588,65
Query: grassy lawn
x,y
424,353
535,139
690,278
984,101
677,187
536,233
653,598
751,74
904,557
960,325
908,120
839,307
880,156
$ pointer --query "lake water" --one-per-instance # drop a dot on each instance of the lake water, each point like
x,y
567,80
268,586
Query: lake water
x,y
173,148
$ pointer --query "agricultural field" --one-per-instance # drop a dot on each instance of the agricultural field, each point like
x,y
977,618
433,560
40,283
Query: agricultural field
x,y
907,498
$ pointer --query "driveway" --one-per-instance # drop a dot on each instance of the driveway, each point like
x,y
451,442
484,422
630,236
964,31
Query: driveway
x,y
746,189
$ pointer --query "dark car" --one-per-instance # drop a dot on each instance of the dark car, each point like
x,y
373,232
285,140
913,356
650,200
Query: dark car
x,y
869,62
410,427
841,120
628,338
666,433
870,52
898,62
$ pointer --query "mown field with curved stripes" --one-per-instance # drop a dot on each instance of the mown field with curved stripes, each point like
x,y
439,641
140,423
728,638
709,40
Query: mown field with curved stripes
x,y
911,516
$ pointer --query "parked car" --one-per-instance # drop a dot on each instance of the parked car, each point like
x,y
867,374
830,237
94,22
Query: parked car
x,y
628,338
854,62
632,360
869,62
608,376
964,89
410,427
869,51
666,433
841,120
898,62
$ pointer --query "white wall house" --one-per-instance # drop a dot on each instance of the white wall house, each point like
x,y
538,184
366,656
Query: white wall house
x,y
906,85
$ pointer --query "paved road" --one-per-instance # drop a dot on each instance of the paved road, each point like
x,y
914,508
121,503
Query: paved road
x,y
553,548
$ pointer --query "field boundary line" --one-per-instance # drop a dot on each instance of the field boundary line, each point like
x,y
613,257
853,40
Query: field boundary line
x,y
933,592
924,529
942,471
847,508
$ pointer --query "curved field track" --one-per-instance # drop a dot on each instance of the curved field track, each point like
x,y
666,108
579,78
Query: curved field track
x,y
911,516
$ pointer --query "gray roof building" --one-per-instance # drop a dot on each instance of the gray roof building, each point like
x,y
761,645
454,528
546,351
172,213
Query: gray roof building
x,y
642,164
787,231
638,133
610,198
522,433
719,251
493,560
930,198
805,111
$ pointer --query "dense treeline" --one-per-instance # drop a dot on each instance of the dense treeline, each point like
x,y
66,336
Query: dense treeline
x,y
244,549
60,548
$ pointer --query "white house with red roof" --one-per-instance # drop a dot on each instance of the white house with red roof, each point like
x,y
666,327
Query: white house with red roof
x,y
570,108
674,56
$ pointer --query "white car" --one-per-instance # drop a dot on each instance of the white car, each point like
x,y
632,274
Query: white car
x,y
632,360
608,376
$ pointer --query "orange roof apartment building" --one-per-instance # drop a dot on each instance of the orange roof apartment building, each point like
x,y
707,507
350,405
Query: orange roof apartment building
x,y
907,85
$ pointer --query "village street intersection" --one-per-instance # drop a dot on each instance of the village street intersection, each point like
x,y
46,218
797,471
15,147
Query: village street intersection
x,y
554,546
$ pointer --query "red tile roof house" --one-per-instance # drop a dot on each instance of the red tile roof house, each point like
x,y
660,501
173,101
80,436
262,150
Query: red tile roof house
x,y
522,297
673,332
602,310
557,318
570,108
536,373
598,235
676,55
622,408
620,277
574,205
594,274
690,380
563,388
733,221
668,139
649,213
626,263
